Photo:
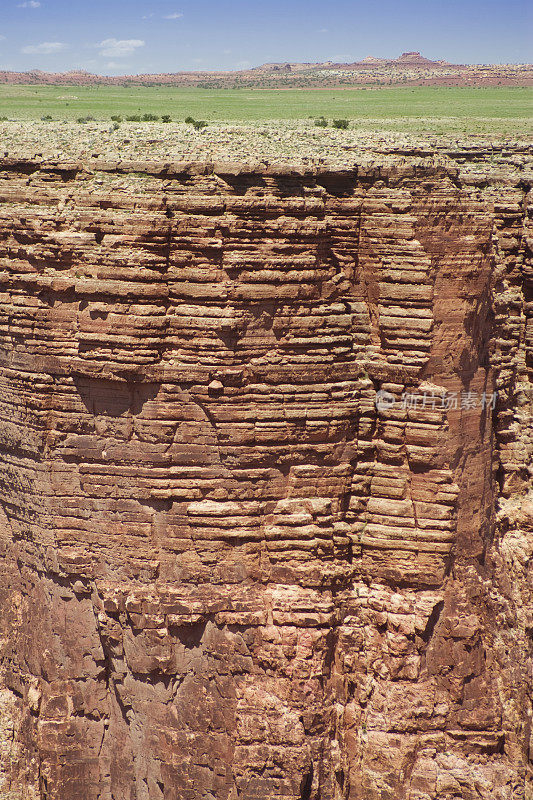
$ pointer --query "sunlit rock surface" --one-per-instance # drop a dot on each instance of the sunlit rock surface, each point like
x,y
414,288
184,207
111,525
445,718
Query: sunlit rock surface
x,y
228,573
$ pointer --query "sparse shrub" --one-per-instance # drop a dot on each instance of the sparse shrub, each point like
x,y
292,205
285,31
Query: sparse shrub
x,y
83,120
321,122
47,118
166,118
197,124
116,118
149,118
3,119
116,126
341,124
134,118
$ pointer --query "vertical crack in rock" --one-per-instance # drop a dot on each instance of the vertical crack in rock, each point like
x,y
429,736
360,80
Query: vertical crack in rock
x,y
229,569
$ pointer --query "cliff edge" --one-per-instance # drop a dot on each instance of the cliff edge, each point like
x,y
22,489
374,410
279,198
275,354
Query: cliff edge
x,y
266,511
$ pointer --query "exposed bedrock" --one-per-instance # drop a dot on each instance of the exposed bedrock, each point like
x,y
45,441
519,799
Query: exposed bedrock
x,y
227,573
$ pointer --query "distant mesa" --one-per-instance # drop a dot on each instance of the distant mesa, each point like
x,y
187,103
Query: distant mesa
x,y
414,57
274,67
410,68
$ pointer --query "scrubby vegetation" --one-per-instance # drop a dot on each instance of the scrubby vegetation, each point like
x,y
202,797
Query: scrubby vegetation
x,y
340,124
408,108
197,124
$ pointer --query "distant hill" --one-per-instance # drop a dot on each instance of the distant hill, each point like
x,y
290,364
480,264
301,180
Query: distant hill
x,y
413,59
410,68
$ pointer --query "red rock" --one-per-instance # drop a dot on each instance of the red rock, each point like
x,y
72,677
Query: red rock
x,y
226,573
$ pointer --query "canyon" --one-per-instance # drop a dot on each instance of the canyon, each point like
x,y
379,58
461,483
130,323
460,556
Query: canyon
x,y
266,508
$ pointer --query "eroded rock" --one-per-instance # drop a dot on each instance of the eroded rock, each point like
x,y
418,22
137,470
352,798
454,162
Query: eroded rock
x,y
228,572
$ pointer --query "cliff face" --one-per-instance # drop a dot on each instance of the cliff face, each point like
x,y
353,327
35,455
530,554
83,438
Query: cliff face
x,y
264,534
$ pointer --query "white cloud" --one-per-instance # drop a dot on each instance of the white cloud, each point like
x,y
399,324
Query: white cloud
x,y
45,48
30,4
324,30
176,15
2,38
118,48
148,16
243,64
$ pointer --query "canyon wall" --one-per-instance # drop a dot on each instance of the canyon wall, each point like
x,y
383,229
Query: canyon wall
x,y
265,482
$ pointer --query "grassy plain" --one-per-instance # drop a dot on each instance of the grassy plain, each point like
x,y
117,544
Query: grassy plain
x,y
437,109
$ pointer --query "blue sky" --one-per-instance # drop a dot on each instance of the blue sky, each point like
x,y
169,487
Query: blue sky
x,y
127,36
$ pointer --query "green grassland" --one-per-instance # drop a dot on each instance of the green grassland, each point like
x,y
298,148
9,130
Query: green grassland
x,y
505,109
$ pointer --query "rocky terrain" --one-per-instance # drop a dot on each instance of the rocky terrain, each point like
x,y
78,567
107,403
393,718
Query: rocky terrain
x,y
266,509
409,69
480,157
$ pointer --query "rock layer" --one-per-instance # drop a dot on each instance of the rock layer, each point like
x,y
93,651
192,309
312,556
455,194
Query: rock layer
x,y
229,573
